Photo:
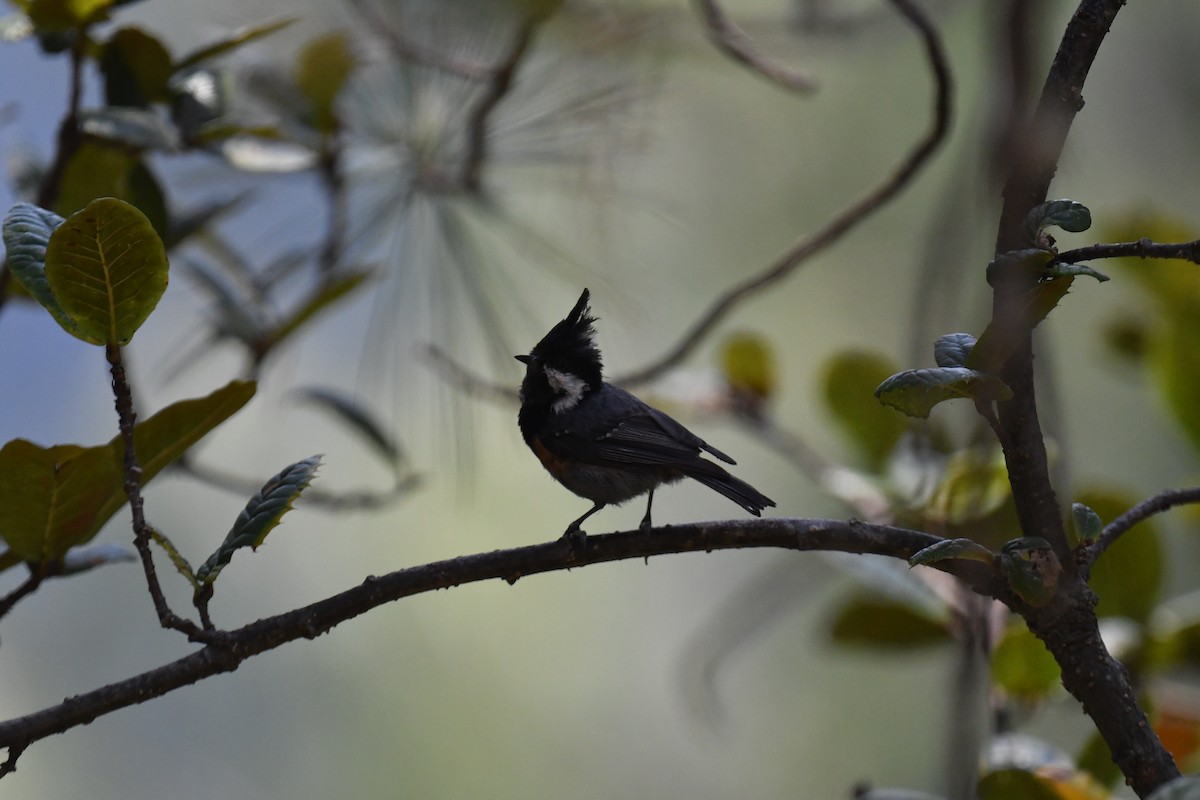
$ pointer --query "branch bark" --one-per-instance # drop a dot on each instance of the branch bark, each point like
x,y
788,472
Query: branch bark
x,y
1067,624
225,651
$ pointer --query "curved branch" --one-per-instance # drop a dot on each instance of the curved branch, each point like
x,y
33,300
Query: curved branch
x,y
1163,501
809,246
731,40
227,650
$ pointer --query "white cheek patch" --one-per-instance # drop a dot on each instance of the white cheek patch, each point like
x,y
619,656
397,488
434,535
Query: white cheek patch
x,y
570,389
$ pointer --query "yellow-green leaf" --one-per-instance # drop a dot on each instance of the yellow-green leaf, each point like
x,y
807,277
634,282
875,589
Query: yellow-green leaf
x,y
55,498
848,383
107,269
322,68
1128,577
1022,665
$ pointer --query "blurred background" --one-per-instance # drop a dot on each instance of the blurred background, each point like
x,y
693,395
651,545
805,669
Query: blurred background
x,y
632,158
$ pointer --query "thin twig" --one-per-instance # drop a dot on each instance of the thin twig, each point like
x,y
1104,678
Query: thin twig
x,y
499,84
1143,248
228,650
133,489
402,485
27,587
405,49
1163,501
731,40
809,246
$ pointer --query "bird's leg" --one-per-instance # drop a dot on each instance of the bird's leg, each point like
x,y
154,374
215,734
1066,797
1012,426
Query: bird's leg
x,y
645,526
573,532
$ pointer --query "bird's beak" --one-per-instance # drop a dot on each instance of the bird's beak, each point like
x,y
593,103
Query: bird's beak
x,y
524,359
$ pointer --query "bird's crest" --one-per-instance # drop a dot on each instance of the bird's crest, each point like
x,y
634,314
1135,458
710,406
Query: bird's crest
x,y
569,345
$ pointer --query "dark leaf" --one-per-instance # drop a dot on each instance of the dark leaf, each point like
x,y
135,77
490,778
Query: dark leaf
x,y
1087,522
1063,270
951,548
136,68
261,515
1065,214
916,391
953,349
27,231
1032,569
358,418
873,621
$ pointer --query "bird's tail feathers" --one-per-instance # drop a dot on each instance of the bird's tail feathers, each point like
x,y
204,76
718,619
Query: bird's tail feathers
x,y
735,489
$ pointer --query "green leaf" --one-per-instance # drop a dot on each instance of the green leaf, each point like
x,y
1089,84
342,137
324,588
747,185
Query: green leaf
x,y
1016,784
54,16
1065,214
1096,759
1027,266
231,42
951,548
48,497
177,560
358,418
1061,269
973,499
847,383
261,515
1032,569
136,68
1022,666
27,231
56,498
872,621
1086,521
1128,578
107,268
323,66
1186,787
953,349
916,391
100,169
748,366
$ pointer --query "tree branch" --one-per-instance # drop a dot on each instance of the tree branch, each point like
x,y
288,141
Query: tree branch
x,y
731,40
227,650
1143,248
1034,167
809,246
133,489
1157,504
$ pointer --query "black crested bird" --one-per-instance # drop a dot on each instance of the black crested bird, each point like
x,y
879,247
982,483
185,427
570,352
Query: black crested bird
x,y
600,441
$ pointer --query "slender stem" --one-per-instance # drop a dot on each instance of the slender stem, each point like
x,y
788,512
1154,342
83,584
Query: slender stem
x,y
1143,248
1157,504
727,37
27,587
499,84
809,246
69,136
133,490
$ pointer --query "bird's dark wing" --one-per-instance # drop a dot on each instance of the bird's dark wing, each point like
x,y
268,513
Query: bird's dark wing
x,y
644,436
